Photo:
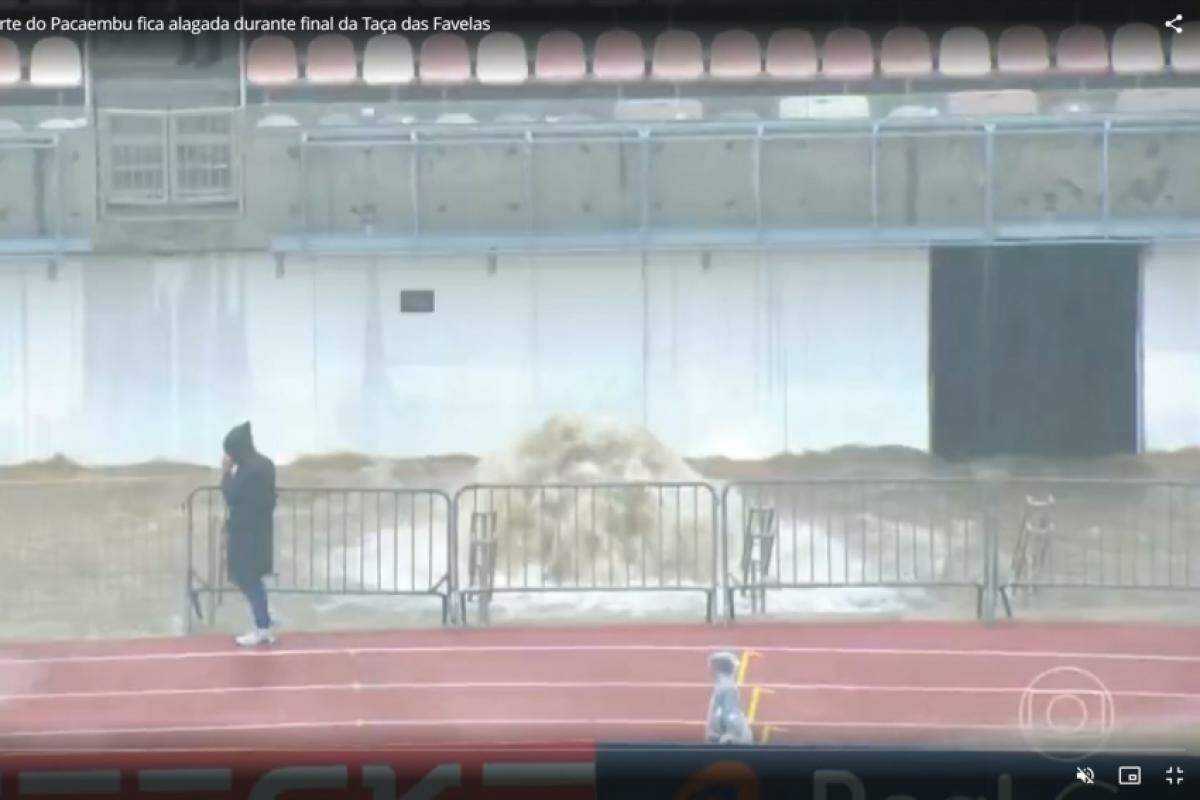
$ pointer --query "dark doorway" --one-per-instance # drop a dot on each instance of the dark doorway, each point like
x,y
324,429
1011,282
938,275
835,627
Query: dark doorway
x,y
1033,350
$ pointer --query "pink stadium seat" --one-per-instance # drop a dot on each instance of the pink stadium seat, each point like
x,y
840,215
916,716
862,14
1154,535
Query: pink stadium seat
x,y
678,56
1185,50
618,56
735,55
55,62
388,60
791,54
905,53
964,53
501,59
271,61
1023,50
1082,50
331,60
848,55
445,59
560,57
10,63
1137,49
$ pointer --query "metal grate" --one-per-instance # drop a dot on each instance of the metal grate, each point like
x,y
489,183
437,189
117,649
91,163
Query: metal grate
x,y
202,160
137,158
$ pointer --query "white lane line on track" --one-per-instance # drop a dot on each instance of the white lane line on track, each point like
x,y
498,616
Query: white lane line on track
x,y
552,686
515,722
595,648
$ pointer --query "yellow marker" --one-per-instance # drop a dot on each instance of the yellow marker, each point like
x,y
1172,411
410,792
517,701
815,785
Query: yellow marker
x,y
755,696
766,732
744,665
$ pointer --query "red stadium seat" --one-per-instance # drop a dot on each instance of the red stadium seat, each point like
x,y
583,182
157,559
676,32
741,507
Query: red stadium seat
x,y
271,61
905,53
735,55
791,54
501,59
618,56
10,63
1082,50
1023,50
388,60
445,59
964,53
331,60
848,55
560,57
1137,49
678,56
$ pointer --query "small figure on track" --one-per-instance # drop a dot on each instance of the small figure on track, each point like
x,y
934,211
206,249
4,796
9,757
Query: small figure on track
x,y
248,484
727,723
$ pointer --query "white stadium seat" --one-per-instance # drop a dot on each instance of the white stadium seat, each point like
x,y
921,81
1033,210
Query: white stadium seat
x,y
271,61
848,55
55,63
388,60
791,54
1137,49
1082,50
1185,50
445,59
905,53
10,63
678,56
331,60
735,55
618,56
1023,50
560,57
964,53
501,59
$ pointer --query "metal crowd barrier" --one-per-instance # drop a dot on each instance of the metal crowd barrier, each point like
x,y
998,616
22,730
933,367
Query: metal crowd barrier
x,y
1004,539
601,537
386,542
855,534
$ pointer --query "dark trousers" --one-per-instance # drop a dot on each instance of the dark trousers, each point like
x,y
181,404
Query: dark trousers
x,y
256,594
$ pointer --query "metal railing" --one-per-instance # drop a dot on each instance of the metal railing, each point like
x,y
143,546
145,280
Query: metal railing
x,y
600,537
390,542
854,534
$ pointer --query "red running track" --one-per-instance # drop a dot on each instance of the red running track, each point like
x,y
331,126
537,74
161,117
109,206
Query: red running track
x,y
926,683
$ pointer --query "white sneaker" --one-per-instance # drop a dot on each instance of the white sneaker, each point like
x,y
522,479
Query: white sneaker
x,y
256,637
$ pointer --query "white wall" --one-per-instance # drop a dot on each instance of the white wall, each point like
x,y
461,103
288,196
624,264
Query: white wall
x,y
119,360
1171,347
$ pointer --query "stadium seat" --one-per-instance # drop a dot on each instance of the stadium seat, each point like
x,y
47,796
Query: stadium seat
x,y
678,56
847,55
905,53
1137,49
388,59
618,56
1023,50
331,60
1185,50
501,59
445,59
10,63
271,61
964,53
55,63
791,54
1082,50
735,55
560,57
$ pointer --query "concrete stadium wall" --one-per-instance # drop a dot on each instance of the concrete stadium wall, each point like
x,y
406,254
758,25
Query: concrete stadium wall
x,y
1171,347
119,360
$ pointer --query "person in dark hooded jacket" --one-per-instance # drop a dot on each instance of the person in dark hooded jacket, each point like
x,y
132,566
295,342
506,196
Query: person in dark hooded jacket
x,y
248,484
